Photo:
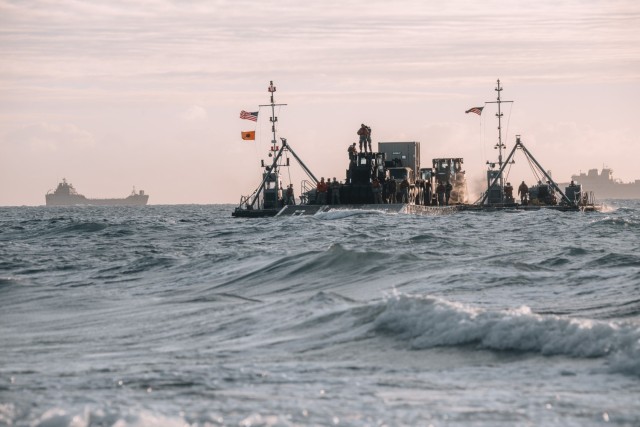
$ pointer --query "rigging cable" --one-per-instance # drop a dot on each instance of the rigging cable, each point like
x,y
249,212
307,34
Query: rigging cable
x,y
506,135
482,138
506,178
534,170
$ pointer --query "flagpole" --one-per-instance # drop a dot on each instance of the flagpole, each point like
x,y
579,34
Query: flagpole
x,y
273,117
499,145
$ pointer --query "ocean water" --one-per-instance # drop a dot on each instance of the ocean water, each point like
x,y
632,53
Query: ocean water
x,y
182,315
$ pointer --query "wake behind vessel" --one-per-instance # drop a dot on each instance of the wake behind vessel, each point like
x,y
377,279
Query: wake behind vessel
x,y
391,179
66,195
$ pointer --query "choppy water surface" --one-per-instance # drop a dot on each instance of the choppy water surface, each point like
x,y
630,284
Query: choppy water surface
x,y
174,315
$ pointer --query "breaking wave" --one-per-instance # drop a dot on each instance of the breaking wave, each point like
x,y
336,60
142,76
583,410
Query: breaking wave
x,y
426,322
87,416
346,213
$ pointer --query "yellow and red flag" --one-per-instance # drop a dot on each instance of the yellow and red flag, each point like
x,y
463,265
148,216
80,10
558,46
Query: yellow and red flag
x,y
249,135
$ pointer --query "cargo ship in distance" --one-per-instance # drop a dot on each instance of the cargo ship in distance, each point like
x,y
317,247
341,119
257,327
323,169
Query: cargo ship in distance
x,y
606,186
66,195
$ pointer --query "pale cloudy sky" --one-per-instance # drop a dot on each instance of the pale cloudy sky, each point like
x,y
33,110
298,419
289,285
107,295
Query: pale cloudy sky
x,y
112,94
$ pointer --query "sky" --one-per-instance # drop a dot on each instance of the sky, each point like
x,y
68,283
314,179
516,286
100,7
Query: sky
x,y
116,94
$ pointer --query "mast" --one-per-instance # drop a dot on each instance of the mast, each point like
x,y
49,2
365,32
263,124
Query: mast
x,y
273,117
271,171
500,145
269,188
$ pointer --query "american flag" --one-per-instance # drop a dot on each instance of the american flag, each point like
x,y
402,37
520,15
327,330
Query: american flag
x,y
249,115
477,110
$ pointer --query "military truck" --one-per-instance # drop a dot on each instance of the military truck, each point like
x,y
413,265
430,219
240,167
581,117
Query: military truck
x,y
402,161
450,170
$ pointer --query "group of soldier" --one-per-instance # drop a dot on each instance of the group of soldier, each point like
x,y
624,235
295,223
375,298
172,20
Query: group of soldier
x,y
364,134
523,193
383,192
322,188
386,192
442,193
389,191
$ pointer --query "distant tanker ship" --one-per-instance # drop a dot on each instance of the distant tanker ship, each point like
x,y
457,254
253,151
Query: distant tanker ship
x,y
66,195
606,186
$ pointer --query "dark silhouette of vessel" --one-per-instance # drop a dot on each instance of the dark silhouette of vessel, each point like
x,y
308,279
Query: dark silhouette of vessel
x,y
606,186
66,195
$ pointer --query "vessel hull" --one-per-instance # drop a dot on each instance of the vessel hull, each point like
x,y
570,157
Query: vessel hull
x,y
561,208
300,210
75,200
254,213
402,208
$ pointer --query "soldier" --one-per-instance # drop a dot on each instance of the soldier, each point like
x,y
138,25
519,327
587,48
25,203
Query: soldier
x,y
508,193
362,133
321,192
291,200
391,190
404,190
447,192
369,138
427,192
523,192
377,191
440,190
335,191
352,152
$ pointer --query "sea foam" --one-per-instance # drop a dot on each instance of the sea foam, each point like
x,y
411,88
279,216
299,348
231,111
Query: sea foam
x,y
426,322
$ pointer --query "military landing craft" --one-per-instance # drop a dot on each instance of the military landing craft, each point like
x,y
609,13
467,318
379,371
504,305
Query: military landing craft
x,y
391,179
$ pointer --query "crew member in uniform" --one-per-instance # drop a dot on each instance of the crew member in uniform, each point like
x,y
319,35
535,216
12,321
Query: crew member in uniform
x,y
440,190
391,190
447,192
362,133
335,192
404,190
352,152
291,200
377,191
427,192
523,192
508,193
321,192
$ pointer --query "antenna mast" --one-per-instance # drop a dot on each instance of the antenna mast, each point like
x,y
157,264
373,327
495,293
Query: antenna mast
x,y
273,117
499,115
